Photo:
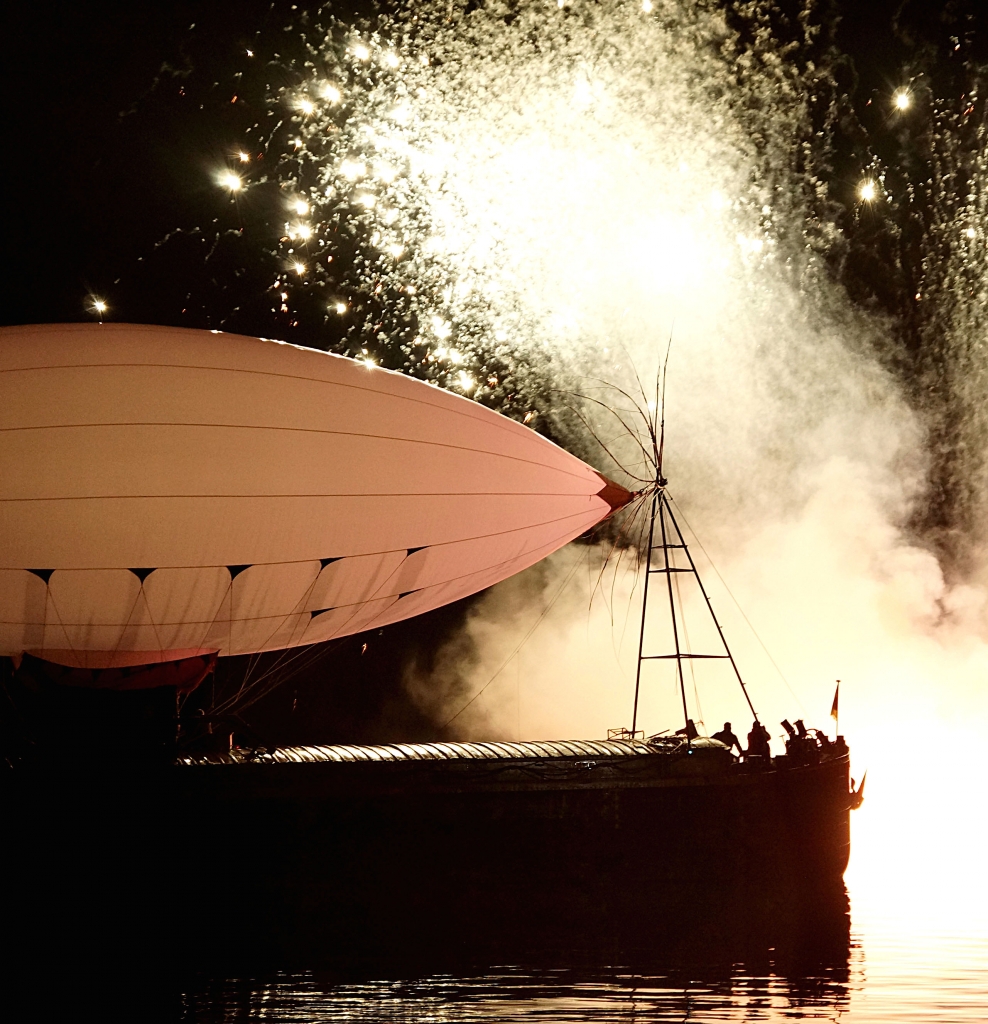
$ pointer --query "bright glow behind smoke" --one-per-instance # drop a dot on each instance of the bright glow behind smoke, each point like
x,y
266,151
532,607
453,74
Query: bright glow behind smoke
x,y
578,202
566,206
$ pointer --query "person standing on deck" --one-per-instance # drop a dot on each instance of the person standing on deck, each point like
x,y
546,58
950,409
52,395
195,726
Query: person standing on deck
x,y
758,741
727,737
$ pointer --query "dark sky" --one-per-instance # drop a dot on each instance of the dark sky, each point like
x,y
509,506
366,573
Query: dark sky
x,y
99,169
101,164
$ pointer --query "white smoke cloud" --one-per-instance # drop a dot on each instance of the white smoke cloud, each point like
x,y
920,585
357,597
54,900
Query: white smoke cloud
x,y
567,189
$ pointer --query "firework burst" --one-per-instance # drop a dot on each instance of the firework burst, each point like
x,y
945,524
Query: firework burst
x,y
504,200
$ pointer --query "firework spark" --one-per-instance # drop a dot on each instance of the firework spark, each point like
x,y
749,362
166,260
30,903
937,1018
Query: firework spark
x,y
507,217
229,180
532,220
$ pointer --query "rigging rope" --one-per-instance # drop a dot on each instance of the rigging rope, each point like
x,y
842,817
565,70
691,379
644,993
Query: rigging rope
x,y
524,640
754,631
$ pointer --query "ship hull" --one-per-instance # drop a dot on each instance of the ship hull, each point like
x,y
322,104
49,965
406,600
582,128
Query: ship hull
x,y
212,861
342,836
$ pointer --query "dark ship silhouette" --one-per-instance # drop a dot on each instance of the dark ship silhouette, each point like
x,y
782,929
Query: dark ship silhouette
x,y
105,808
558,829
669,811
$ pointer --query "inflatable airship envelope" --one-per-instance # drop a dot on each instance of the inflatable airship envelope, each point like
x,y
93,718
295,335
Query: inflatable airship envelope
x,y
169,495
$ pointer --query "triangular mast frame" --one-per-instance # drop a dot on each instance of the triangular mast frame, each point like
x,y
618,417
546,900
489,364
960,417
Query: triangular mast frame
x,y
672,539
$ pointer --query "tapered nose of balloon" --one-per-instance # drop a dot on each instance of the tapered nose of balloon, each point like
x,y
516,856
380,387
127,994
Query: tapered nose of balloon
x,y
614,494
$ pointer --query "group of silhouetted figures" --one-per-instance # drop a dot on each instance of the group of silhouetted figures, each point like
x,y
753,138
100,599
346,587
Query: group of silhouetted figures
x,y
758,740
802,747
806,746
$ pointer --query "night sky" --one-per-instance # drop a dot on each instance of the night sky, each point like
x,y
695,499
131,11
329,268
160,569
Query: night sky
x,y
117,115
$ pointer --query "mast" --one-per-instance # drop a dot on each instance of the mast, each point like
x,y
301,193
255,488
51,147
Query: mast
x,y
669,569
710,608
641,634
672,539
662,508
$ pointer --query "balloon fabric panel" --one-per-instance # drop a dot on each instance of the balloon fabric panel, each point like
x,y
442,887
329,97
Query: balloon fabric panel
x,y
167,493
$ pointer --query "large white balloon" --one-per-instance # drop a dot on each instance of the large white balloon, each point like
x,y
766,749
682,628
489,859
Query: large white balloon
x,y
166,493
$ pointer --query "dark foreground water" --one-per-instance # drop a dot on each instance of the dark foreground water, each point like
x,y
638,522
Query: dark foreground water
x,y
884,976
892,946
907,940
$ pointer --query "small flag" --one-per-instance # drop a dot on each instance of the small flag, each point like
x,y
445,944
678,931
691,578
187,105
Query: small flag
x,y
833,707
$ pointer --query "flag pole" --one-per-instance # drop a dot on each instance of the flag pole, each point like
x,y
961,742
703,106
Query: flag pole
x,y
835,711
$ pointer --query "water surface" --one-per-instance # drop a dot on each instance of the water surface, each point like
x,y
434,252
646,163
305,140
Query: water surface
x,y
907,940
885,977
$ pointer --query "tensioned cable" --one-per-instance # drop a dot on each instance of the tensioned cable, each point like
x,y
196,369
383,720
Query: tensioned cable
x,y
737,604
521,644
49,596
154,627
286,657
282,670
130,615
216,613
230,705
302,601
285,665
317,652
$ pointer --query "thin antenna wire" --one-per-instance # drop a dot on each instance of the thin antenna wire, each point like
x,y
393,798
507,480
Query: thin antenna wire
x,y
737,605
661,402
524,640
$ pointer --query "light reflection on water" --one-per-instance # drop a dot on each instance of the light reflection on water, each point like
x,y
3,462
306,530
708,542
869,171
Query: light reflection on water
x,y
917,951
929,978
515,994
891,978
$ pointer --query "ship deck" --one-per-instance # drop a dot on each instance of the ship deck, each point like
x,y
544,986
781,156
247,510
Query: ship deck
x,y
395,752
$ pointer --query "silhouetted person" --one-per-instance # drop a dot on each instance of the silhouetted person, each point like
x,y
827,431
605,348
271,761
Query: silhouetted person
x,y
802,745
727,737
689,730
758,741
796,743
